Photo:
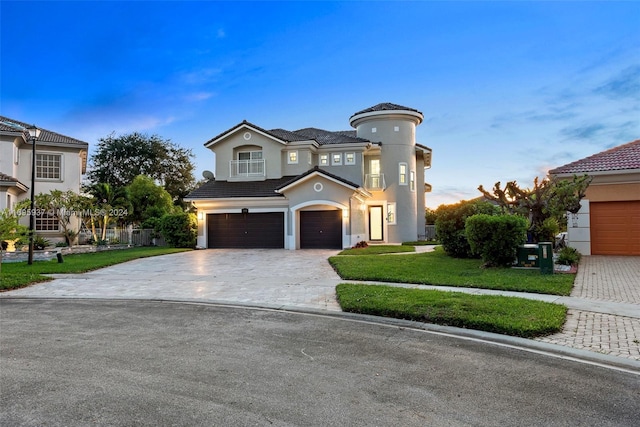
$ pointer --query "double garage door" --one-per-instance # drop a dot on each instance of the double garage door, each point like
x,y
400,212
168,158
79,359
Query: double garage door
x,y
615,228
318,229
250,230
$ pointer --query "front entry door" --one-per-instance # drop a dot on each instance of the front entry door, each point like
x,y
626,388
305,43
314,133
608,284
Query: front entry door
x,y
376,223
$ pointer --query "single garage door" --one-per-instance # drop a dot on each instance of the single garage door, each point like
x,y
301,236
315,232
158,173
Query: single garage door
x,y
615,228
250,230
321,229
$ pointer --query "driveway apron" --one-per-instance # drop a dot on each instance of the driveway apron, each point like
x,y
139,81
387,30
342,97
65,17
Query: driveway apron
x,y
302,278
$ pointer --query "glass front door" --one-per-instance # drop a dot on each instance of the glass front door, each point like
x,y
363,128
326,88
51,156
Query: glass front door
x,y
376,223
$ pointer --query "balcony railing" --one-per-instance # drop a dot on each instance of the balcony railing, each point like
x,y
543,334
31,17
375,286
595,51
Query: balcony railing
x,y
374,182
248,168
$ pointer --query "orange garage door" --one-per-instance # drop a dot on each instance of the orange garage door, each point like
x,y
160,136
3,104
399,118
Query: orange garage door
x,y
615,228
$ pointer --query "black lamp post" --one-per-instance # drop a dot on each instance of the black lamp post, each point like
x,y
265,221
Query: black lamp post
x,y
34,133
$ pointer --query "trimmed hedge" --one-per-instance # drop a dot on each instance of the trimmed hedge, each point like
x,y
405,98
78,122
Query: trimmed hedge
x,y
179,230
496,237
450,225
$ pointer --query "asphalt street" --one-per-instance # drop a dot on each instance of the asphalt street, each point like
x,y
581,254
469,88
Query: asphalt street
x,y
124,363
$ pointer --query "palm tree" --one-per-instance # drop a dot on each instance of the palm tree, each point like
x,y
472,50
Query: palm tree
x,y
108,202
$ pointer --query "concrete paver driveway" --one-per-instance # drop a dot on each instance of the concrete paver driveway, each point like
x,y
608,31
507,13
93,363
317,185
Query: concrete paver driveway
x,y
302,278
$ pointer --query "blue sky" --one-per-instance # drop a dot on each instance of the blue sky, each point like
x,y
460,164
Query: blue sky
x,y
508,89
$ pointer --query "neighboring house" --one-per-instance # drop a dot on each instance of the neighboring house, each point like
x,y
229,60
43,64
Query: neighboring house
x,y
313,188
608,222
60,163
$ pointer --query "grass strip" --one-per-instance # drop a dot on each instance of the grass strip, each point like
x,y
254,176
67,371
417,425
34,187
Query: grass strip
x,y
378,250
421,243
439,269
503,315
19,274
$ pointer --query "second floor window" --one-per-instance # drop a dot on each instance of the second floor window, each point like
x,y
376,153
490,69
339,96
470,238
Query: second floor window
x,y
336,158
250,155
48,166
324,159
402,179
350,158
293,157
250,163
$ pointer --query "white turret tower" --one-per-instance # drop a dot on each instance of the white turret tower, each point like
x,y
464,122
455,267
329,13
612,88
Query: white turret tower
x,y
394,127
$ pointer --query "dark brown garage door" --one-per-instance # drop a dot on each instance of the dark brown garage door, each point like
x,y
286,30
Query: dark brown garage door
x,y
251,230
321,229
615,228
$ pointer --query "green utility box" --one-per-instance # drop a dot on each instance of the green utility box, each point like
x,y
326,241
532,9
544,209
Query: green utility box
x,y
527,256
545,257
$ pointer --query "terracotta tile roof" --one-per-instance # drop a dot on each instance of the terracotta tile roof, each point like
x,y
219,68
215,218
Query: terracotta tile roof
x,y
385,106
227,189
10,125
626,156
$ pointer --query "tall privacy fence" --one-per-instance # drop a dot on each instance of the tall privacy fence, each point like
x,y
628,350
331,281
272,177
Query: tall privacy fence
x,y
125,236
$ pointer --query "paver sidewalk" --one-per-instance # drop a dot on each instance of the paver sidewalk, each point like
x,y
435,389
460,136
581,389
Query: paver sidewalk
x,y
607,281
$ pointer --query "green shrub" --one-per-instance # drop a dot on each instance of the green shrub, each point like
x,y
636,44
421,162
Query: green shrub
x,y
39,243
151,223
548,230
496,237
568,256
450,225
179,230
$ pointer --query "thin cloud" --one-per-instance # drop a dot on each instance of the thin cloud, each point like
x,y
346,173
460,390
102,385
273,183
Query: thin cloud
x,y
589,131
201,76
198,96
624,84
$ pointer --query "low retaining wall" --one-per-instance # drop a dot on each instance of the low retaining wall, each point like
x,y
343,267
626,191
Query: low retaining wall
x,y
49,254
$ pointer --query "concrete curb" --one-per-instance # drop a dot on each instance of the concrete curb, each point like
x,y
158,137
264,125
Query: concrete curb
x,y
552,350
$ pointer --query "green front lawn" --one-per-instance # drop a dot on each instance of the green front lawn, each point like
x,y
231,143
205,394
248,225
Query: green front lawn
x,y
504,315
437,268
19,274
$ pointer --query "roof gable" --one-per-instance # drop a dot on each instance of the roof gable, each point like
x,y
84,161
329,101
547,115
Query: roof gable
x,y
283,136
623,157
313,172
278,137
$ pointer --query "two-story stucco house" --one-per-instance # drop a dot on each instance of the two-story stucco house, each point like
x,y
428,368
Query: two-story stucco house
x,y
313,188
60,163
